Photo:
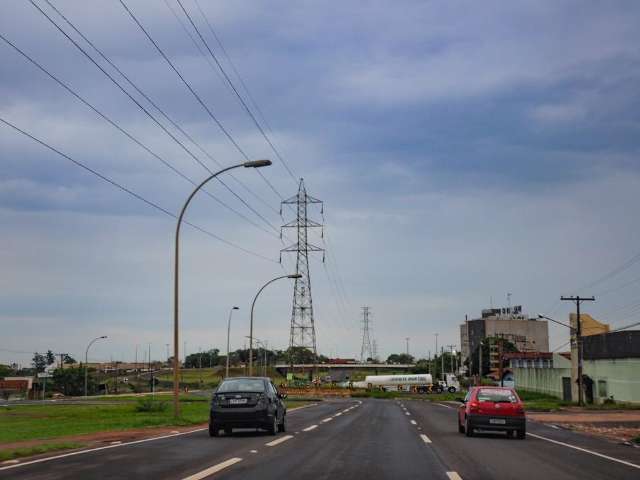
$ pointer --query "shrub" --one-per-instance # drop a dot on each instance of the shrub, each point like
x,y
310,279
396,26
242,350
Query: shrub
x,y
150,405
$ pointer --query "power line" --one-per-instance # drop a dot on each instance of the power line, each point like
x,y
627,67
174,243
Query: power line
x,y
127,134
130,192
195,94
173,137
155,105
246,107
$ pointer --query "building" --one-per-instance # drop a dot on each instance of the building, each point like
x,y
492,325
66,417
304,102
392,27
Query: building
x,y
611,362
527,334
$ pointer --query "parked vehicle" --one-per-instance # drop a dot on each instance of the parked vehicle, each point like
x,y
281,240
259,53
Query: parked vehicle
x,y
247,402
492,408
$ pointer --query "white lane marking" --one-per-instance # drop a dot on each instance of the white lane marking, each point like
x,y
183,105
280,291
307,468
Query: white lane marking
x,y
308,429
253,451
407,413
413,422
443,405
555,426
624,462
144,440
327,420
338,414
424,438
279,441
214,469
346,410
454,476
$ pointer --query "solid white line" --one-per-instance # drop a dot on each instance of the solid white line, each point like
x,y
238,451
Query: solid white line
x,y
214,469
624,462
413,422
279,441
443,405
79,452
424,438
89,450
308,429
454,476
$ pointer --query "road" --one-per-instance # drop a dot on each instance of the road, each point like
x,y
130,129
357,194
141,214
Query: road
x,y
349,439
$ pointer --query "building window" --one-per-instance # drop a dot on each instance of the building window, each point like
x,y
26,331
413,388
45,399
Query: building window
x,y
602,388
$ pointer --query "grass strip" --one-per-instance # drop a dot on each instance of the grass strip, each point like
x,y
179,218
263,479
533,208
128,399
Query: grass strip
x,y
13,453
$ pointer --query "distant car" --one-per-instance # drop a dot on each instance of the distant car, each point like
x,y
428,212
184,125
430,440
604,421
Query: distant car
x,y
492,408
247,402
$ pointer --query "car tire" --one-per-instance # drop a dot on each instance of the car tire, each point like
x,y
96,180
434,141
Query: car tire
x,y
468,428
460,427
522,434
452,389
273,428
282,426
228,431
214,430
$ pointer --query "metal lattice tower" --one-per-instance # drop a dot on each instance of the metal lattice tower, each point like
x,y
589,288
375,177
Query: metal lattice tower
x,y
303,331
366,337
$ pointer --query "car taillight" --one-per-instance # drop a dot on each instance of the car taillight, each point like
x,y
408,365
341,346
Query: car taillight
x,y
474,406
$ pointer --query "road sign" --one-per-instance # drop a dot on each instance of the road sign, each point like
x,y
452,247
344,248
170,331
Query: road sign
x,y
44,375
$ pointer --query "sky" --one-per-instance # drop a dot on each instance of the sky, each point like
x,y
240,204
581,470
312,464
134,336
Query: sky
x,y
463,151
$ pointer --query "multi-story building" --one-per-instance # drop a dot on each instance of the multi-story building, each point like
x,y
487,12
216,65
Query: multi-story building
x,y
527,334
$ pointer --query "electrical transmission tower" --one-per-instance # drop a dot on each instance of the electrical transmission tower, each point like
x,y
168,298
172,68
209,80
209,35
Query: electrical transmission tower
x,y
366,336
303,331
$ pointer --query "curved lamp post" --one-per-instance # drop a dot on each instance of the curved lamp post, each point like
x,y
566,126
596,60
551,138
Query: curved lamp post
x,y
294,275
86,362
176,356
228,334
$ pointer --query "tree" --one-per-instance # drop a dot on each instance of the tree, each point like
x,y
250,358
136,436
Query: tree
x,y
68,359
403,358
5,371
70,381
507,346
39,362
300,355
204,359
51,358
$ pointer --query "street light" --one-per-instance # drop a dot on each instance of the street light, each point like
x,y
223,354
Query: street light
x,y
176,356
294,275
228,333
86,361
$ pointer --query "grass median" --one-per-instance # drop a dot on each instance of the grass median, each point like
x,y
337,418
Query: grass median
x,y
46,422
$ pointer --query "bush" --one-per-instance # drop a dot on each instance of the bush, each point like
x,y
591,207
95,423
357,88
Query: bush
x,y
150,405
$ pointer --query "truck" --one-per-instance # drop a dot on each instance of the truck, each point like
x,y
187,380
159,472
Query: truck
x,y
419,383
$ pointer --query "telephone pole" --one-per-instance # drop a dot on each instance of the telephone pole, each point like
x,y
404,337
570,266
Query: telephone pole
x,y
407,340
366,336
303,331
578,335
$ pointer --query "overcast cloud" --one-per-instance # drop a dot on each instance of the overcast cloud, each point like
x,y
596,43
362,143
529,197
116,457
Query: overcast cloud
x,y
463,150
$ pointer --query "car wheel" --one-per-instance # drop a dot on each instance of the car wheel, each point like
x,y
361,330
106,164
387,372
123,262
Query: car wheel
x,y
452,389
228,431
282,427
468,429
460,427
273,428
214,430
522,434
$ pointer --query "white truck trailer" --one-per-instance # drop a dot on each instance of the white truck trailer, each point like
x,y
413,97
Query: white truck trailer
x,y
420,383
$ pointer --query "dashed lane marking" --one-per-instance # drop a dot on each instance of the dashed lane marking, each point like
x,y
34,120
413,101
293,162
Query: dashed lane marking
x,y
338,414
623,462
279,441
424,438
413,422
327,420
443,405
454,476
407,413
213,469
308,429
253,451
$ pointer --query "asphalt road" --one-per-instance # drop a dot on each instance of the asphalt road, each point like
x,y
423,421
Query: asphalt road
x,y
348,439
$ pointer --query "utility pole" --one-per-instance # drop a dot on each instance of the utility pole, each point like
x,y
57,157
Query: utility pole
x,y
500,370
578,333
451,360
407,339
480,362
136,362
167,345
303,330
442,361
366,336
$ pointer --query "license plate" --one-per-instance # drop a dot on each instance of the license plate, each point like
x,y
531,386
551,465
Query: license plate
x,y
497,421
237,401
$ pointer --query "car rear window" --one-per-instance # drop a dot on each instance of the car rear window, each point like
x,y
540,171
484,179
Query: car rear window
x,y
495,395
241,385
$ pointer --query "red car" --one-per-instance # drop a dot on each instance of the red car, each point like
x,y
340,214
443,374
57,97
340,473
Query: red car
x,y
492,408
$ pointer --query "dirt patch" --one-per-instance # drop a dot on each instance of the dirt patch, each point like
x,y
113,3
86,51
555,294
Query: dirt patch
x,y
618,426
99,439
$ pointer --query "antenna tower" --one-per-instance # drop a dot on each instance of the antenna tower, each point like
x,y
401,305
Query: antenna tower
x,y
303,330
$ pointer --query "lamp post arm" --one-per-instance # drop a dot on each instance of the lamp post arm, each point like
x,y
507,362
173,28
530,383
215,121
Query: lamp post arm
x,y
251,320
